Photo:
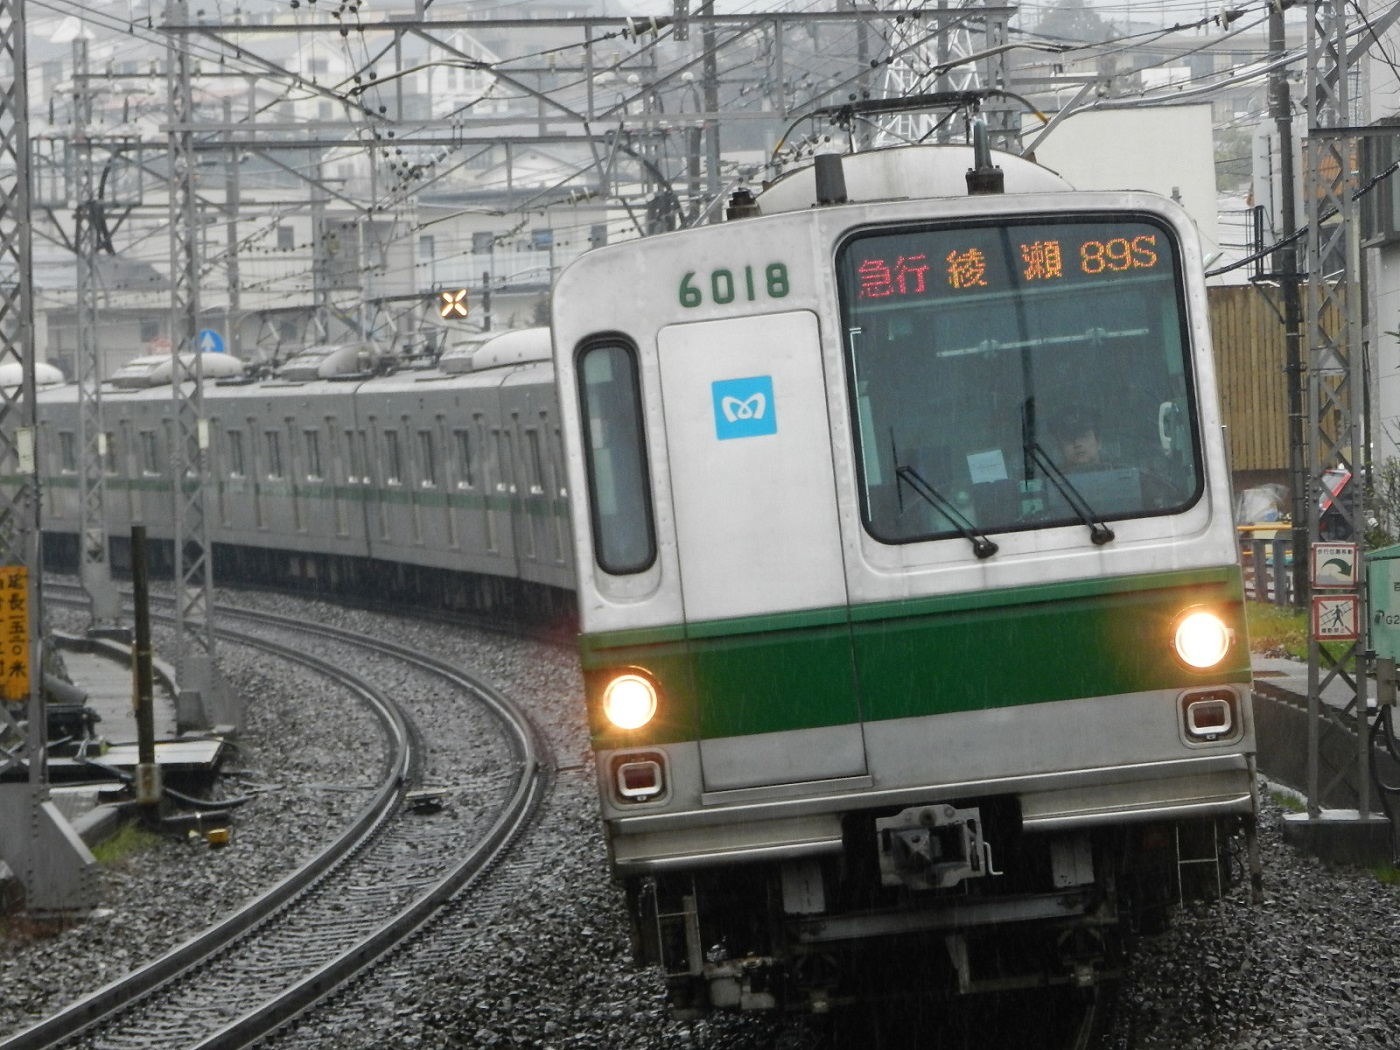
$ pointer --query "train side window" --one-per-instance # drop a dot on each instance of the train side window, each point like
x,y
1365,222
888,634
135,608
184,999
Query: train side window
x,y
353,458
313,455
67,452
559,475
619,485
274,454
393,458
237,461
150,452
466,468
427,460
536,462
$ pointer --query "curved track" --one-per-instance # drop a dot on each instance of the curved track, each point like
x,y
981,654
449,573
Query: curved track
x,y
380,880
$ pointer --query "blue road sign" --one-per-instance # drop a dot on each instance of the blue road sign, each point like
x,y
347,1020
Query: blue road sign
x,y
210,341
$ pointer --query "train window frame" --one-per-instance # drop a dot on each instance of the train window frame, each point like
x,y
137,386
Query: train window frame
x,y
613,549
427,459
466,472
311,439
236,454
393,458
534,461
149,442
67,452
1033,300
272,442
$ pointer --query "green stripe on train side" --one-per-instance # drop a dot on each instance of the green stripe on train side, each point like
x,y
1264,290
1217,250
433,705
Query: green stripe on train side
x,y
960,652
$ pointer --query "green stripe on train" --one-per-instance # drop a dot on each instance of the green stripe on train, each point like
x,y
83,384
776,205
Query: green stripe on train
x,y
896,659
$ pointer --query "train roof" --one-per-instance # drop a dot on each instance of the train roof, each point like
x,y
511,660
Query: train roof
x,y
516,347
906,172
155,369
323,360
45,374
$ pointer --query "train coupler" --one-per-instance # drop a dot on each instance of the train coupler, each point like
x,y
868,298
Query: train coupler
x,y
933,847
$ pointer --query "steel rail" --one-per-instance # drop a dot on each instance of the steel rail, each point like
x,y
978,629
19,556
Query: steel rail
x,y
276,1011
121,993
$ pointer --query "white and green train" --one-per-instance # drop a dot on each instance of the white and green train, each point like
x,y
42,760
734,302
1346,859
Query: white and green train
x,y
910,612
901,548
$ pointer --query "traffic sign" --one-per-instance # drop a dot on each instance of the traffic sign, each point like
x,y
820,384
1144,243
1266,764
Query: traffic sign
x,y
210,341
452,304
1334,564
1336,618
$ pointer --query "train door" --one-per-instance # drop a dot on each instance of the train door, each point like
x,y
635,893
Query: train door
x,y
762,574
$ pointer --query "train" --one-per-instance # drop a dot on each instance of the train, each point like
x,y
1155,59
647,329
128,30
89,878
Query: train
x,y
893,518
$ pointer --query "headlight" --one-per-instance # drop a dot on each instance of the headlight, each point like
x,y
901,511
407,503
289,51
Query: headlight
x,y
1202,639
629,701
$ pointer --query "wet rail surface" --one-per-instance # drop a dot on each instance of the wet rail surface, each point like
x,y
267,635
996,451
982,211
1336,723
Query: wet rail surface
x,y
381,879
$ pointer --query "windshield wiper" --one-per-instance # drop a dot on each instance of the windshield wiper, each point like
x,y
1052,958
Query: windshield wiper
x,y
1098,531
981,546
1034,453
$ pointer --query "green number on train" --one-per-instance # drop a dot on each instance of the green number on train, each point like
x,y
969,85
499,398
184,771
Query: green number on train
x,y
690,295
724,289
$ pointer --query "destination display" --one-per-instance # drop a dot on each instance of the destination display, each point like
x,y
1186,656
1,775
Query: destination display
x,y
956,263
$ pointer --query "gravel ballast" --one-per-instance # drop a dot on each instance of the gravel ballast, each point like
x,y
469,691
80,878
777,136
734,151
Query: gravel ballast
x,y
1312,966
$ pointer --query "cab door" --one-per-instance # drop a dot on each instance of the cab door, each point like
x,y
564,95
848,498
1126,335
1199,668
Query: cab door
x,y
761,569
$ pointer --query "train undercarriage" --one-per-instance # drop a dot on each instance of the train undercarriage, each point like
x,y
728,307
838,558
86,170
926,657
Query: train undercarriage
x,y
941,902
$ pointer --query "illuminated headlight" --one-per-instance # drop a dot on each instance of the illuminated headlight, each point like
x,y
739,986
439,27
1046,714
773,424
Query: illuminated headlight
x,y
629,701
1202,639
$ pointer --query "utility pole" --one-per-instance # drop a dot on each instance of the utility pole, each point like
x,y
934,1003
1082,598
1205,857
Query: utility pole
x,y
204,700
57,871
94,567
1334,410
1286,266
233,201
713,184
320,258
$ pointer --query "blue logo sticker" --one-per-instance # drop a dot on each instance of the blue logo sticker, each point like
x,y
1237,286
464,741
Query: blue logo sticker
x,y
744,407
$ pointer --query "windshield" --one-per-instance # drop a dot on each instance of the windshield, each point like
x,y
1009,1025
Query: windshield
x,y
1018,376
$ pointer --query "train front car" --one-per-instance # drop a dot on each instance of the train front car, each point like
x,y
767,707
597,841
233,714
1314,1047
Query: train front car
x,y
912,627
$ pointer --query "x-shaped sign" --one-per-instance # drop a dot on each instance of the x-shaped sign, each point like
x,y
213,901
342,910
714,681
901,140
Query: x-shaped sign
x,y
453,304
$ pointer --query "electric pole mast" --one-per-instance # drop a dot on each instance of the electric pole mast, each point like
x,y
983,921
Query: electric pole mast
x,y
204,701
1336,357
57,871
94,567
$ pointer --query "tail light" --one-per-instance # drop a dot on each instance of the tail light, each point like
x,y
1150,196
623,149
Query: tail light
x,y
639,776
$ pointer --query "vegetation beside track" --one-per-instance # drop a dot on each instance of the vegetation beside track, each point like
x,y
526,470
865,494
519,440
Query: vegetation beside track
x,y
1276,630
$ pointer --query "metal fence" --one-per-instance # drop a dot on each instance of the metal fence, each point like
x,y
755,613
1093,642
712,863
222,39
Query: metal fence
x,y
1267,558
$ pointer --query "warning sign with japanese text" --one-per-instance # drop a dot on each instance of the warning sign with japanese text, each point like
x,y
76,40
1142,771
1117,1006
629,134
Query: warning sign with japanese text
x,y
1336,618
14,632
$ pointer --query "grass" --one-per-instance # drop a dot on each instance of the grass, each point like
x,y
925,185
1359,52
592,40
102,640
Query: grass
x,y
1387,874
130,840
1277,629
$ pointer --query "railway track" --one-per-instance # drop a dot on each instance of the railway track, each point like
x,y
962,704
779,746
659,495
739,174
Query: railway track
x,y
382,879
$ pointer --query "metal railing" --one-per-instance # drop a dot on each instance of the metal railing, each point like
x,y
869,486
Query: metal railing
x,y
1266,555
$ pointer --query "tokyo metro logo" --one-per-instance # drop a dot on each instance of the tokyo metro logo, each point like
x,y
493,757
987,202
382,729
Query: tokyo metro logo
x,y
744,407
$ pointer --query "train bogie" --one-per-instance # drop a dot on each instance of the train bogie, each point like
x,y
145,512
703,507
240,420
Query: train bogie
x,y
869,650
